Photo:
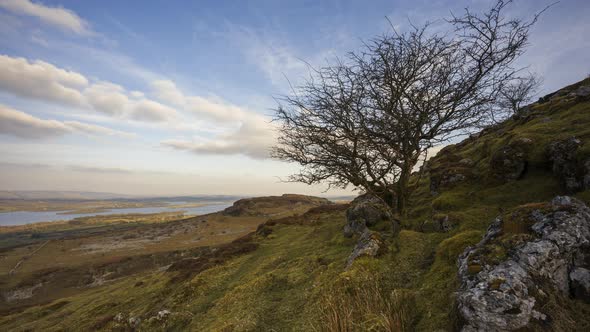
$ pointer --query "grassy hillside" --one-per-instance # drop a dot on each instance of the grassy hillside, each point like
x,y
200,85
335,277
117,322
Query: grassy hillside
x,y
289,274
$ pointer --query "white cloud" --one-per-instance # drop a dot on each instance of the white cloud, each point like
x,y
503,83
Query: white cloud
x,y
41,80
62,18
95,130
107,97
23,125
166,91
216,110
254,139
137,94
209,108
44,81
151,111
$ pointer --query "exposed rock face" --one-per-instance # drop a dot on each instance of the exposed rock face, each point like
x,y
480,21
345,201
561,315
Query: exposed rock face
x,y
450,170
498,296
562,154
365,210
509,162
369,244
581,92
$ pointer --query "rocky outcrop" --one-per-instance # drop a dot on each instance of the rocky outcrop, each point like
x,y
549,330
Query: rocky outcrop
x,y
450,170
564,165
365,210
510,161
581,92
499,295
264,206
369,244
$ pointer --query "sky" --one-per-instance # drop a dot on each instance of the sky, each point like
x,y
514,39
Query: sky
x,y
176,97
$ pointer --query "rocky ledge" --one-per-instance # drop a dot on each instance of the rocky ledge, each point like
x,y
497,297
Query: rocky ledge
x,y
548,252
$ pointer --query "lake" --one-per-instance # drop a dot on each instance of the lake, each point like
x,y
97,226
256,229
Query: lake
x,y
28,217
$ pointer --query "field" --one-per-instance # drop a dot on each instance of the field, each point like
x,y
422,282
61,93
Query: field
x,y
71,252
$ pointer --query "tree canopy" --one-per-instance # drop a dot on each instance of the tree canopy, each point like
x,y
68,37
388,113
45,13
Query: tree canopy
x,y
367,120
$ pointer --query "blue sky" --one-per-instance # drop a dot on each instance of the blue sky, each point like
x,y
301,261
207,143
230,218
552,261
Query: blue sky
x,y
175,97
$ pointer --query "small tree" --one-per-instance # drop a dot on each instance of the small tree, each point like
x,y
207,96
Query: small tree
x,y
367,121
514,95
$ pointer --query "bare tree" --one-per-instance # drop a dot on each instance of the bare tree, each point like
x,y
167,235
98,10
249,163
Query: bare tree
x,y
514,95
323,128
368,120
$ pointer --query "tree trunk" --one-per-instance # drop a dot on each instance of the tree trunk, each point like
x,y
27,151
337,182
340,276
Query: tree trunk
x,y
402,190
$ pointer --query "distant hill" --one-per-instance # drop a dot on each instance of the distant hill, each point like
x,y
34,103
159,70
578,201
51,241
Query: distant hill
x,y
49,194
89,195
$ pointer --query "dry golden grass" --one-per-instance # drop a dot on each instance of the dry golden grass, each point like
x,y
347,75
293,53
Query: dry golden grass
x,y
367,307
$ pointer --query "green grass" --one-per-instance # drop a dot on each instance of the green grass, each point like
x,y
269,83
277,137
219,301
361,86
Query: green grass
x,y
296,279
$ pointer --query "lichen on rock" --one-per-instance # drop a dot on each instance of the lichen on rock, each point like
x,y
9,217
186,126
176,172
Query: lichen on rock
x,y
364,211
369,244
510,161
564,164
499,296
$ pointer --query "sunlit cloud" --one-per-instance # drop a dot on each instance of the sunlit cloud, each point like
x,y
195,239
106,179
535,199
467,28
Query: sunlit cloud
x,y
23,125
209,108
59,17
43,81
253,139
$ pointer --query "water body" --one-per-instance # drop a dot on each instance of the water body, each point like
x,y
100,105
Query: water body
x,y
27,217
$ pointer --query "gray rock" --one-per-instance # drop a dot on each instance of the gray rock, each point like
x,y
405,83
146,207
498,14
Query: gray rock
x,y
583,91
369,244
163,314
120,317
510,161
580,283
134,322
365,210
562,155
497,297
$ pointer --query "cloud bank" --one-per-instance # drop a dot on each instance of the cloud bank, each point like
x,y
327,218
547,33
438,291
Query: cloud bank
x,y
243,131
253,139
59,17
23,125
43,81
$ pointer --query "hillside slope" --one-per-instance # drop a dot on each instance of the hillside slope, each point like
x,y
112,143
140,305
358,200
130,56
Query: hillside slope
x,y
290,273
